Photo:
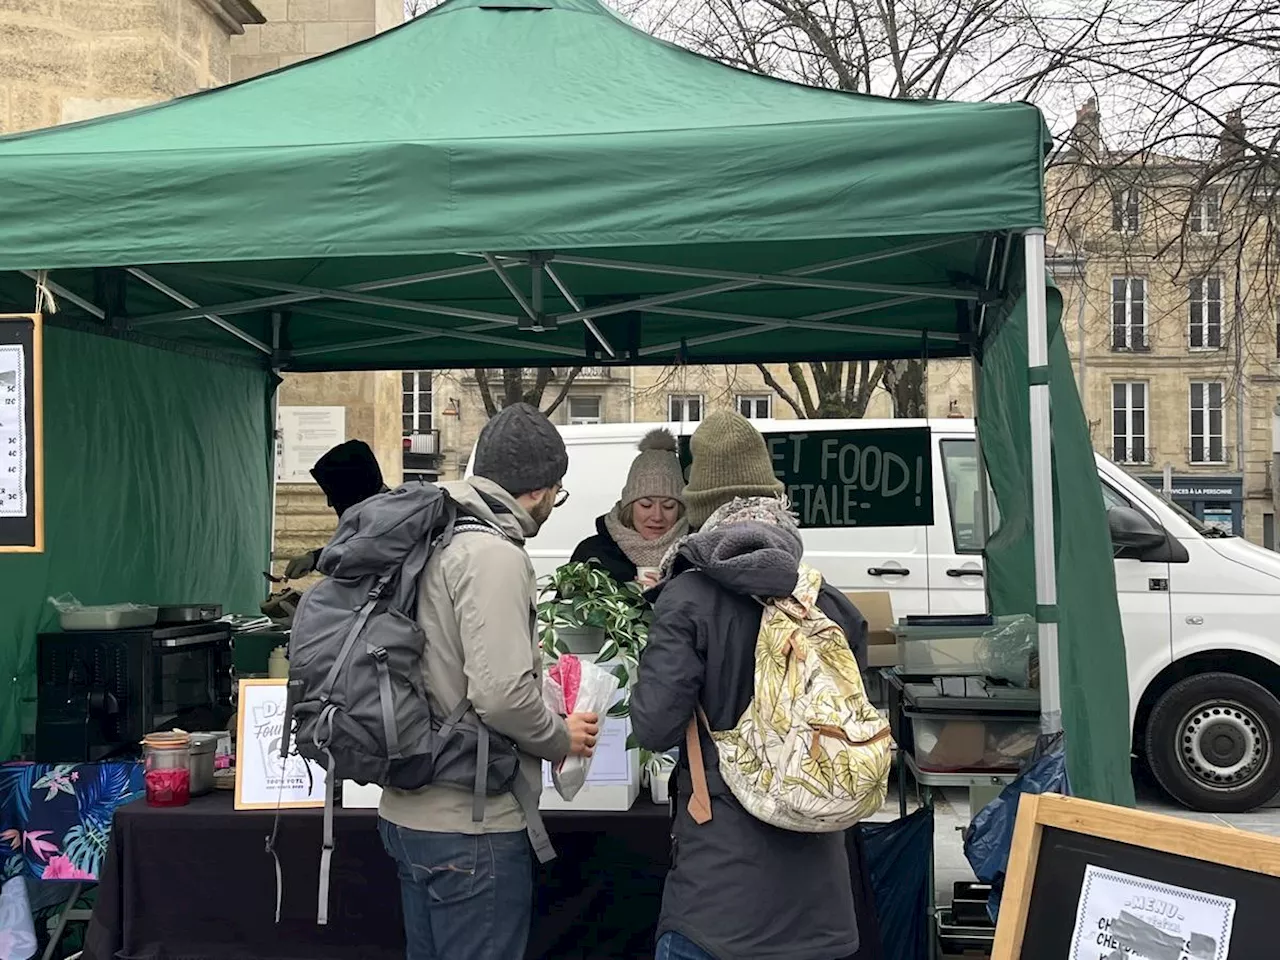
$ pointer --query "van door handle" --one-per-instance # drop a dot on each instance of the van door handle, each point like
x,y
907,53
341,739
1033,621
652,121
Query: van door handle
x,y
966,572
888,572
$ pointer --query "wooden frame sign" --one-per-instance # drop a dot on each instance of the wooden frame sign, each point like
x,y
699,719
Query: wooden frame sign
x,y
21,433
264,781
1090,881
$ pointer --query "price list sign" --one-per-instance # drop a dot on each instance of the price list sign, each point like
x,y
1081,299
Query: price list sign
x,y
21,486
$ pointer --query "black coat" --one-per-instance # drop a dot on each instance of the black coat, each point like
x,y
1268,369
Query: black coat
x,y
738,887
604,550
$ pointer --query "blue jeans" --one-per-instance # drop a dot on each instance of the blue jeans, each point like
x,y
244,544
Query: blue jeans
x,y
465,897
674,946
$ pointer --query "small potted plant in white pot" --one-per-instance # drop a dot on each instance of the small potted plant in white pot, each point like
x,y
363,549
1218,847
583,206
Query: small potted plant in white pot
x,y
656,769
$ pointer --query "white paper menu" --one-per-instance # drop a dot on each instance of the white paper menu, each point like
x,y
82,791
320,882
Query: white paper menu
x,y
14,442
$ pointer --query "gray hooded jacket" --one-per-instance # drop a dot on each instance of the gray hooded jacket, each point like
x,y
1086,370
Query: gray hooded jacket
x,y
739,888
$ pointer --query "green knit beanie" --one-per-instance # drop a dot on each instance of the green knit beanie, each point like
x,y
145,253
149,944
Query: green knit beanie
x,y
730,460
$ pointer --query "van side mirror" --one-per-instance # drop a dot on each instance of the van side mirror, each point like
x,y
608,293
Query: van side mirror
x,y
1130,530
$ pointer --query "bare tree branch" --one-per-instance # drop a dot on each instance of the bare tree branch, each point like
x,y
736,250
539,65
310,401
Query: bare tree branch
x,y
772,383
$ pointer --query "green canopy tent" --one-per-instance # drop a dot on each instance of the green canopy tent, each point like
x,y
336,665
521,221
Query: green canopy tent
x,y
522,183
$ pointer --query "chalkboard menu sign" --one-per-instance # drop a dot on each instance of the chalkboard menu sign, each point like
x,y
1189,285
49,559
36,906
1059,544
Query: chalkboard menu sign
x,y
21,449
852,478
1089,881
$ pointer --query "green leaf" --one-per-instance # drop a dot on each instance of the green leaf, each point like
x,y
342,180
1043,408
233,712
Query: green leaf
x,y
620,709
608,652
632,742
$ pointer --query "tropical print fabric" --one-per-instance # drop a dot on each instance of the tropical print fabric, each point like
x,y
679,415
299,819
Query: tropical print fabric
x,y
55,819
811,753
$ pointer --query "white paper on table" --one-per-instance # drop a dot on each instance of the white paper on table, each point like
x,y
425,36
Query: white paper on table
x,y
1131,917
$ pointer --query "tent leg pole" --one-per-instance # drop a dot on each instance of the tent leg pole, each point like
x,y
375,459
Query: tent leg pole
x,y
276,323
983,512
1042,483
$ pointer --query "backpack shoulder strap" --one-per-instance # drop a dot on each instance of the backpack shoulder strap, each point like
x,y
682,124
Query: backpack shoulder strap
x,y
700,801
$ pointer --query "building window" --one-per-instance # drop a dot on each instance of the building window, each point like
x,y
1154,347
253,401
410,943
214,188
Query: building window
x,y
755,406
585,410
1129,422
1205,313
684,408
1206,422
1128,313
1126,211
1206,211
415,389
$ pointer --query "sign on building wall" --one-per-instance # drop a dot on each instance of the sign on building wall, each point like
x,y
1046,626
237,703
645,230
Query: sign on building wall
x,y
303,436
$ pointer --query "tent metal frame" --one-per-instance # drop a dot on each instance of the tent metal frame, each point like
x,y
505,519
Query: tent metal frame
x,y
310,299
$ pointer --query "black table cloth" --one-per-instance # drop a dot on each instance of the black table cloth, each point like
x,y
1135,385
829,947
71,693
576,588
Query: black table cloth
x,y
197,883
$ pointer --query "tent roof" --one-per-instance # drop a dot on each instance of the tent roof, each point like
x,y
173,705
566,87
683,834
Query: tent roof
x,y
505,127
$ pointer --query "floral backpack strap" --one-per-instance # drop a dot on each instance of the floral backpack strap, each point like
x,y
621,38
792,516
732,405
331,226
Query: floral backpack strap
x,y
700,800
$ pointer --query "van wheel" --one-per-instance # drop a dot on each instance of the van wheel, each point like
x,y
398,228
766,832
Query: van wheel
x,y
1212,743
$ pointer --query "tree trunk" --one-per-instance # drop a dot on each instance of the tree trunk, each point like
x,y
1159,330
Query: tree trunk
x,y
520,385
906,380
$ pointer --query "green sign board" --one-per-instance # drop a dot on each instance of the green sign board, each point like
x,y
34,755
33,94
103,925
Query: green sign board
x,y
853,478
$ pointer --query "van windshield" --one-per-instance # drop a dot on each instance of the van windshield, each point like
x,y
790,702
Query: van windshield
x,y
1200,527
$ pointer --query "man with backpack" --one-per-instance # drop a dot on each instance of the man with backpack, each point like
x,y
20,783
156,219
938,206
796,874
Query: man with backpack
x,y
467,881
747,646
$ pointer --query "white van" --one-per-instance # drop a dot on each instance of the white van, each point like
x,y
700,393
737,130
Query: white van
x,y
1200,609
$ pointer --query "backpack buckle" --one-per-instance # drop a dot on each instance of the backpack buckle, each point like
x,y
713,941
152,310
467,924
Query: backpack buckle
x,y
378,653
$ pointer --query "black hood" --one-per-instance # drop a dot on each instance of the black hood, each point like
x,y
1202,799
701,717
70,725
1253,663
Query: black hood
x,y
752,559
348,474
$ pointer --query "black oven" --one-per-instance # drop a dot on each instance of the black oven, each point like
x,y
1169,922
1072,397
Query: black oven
x,y
100,692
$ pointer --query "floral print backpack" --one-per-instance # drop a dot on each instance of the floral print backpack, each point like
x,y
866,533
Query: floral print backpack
x,y
810,753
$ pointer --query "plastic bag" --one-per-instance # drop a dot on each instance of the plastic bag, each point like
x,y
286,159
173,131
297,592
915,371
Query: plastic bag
x,y
1005,651
987,842
17,928
576,686
67,603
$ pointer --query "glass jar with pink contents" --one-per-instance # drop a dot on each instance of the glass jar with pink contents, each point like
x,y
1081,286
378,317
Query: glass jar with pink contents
x,y
167,761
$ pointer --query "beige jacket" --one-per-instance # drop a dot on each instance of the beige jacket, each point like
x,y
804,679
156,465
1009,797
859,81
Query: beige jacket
x,y
476,605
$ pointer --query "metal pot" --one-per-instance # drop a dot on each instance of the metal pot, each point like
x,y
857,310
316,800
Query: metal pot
x,y
582,640
204,747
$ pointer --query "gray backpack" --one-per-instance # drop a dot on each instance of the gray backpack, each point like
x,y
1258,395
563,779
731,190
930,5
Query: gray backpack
x,y
357,699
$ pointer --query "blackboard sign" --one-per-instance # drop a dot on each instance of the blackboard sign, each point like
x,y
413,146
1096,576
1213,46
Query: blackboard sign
x,y
1089,881
853,478
21,448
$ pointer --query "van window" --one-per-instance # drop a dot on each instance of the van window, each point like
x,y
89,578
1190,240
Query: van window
x,y
960,465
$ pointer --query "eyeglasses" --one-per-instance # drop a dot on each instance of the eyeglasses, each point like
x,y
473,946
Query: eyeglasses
x,y
561,497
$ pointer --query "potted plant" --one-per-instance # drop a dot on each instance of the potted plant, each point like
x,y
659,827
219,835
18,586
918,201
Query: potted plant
x,y
584,611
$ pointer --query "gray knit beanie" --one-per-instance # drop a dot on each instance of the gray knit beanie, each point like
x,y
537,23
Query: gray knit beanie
x,y
730,460
520,450
655,472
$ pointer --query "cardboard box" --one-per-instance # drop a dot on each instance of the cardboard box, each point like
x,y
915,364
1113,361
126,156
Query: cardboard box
x,y
877,607
613,782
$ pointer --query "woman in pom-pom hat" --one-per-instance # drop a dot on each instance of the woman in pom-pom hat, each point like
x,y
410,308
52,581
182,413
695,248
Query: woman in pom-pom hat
x,y
632,538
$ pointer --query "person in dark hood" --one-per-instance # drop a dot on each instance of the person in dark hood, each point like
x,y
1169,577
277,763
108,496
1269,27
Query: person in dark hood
x,y
738,888
348,474
632,538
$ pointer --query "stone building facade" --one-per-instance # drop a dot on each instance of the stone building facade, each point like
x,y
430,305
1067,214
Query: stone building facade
x,y
1168,270
68,60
